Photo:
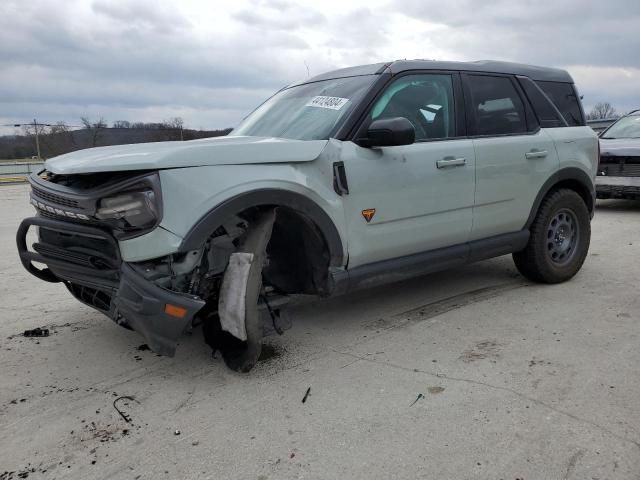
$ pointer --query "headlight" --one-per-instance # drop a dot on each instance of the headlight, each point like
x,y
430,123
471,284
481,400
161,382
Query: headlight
x,y
129,211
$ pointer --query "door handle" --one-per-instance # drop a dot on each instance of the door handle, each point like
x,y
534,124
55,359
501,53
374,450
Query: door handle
x,y
447,162
535,153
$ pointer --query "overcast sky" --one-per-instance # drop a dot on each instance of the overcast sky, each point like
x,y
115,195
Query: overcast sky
x,y
211,62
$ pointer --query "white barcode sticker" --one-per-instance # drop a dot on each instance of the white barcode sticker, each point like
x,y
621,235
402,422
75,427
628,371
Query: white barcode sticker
x,y
333,103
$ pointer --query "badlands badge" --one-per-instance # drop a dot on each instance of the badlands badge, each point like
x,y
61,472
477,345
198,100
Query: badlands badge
x,y
368,214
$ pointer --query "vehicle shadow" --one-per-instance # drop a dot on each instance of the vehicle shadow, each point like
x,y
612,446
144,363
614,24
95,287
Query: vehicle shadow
x,y
319,326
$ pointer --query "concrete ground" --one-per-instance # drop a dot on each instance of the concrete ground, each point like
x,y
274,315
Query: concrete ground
x,y
470,373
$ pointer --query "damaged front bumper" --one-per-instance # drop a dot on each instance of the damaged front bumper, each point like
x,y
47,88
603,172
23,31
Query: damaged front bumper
x,y
617,187
87,260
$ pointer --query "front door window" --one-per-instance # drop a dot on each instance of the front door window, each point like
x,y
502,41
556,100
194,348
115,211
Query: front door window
x,y
425,100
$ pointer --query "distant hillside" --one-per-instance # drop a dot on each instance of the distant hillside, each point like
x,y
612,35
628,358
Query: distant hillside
x,y
63,140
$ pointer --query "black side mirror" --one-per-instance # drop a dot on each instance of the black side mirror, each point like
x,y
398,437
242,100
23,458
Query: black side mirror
x,y
388,132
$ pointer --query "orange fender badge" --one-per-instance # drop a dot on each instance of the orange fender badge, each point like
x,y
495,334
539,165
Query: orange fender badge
x,y
368,214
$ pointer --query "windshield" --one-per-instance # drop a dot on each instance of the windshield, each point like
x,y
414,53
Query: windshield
x,y
626,127
313,111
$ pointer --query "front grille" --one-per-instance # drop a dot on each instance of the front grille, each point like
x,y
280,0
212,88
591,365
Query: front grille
x,y
91,296
621,170
83,258
620,166
46,213
68,246
54,198
617,191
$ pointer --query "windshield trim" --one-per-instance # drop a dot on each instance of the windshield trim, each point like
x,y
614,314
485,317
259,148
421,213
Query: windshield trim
x,y
312,81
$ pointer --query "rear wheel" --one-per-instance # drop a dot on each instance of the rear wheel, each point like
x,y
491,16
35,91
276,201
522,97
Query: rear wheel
x,y
559,240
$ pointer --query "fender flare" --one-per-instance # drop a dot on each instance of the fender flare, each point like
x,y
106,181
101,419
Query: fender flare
x,y
572,174
199,232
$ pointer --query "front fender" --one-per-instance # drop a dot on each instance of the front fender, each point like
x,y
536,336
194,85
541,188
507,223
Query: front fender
x,y
198,234
198,200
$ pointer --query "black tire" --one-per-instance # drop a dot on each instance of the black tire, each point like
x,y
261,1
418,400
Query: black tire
x,y
240,355
243,356
559,241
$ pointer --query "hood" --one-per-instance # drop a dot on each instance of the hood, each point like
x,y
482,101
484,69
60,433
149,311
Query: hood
x,y
193,153
620,147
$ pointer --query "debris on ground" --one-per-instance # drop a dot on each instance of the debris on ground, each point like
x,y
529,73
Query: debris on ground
x,y
435,390
101,432
36,332
176,432
269,352
416,400
127,418
306,395
486,349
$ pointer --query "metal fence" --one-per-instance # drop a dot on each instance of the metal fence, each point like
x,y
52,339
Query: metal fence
x,y
18,171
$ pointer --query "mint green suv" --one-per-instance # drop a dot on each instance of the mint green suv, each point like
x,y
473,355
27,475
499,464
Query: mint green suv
x,y
351,179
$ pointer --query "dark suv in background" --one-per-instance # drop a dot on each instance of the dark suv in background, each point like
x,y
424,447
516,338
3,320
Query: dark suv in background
x,y
619,169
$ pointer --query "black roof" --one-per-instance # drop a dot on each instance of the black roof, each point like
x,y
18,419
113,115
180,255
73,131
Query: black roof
x,y
484,66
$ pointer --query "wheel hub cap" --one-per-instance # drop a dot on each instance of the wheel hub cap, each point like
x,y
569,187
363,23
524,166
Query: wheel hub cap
x,y
562,236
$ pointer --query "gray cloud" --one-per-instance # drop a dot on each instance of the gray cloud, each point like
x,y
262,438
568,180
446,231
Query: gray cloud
x,y
158,16
212,62
280,15
563,32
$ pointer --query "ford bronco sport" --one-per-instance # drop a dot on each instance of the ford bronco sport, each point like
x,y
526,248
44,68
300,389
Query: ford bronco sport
x,y
350,179
619,169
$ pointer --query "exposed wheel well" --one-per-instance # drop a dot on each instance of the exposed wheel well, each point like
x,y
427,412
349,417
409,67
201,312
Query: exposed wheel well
x,y
265,198
577,187
571,178
298,254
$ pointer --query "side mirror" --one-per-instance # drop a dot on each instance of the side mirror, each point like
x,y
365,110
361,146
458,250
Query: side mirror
x,y
389,132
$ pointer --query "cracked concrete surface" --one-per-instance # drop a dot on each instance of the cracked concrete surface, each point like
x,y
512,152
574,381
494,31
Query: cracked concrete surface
x,y
470,373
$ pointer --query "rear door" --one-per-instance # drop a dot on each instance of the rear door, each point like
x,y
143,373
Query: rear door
x,y
514,156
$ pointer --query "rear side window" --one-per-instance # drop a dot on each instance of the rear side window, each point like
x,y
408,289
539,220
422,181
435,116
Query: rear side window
x,y
496,106
548,115
564,96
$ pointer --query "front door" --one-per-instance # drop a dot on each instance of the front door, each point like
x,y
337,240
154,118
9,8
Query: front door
x,y
412,198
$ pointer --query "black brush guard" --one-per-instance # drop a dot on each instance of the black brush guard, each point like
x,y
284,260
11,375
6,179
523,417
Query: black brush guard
x,y
97,276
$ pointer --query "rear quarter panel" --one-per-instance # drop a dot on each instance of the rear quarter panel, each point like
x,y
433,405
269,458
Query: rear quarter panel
x,y
577,147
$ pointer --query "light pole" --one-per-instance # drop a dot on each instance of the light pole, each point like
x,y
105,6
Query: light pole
x,y
35,126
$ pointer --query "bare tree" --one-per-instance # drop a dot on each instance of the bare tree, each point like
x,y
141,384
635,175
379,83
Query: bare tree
x,y
175,128
33,132
95,128
601,111
121,124
59,139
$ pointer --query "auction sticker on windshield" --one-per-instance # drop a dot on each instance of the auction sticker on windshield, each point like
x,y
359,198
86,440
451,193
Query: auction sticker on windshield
x,y
333,103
